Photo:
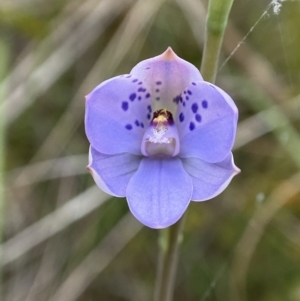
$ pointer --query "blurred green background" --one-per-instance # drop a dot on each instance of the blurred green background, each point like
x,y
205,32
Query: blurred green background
x,y
64,239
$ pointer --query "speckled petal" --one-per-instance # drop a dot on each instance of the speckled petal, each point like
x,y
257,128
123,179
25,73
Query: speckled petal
x,y
112,172
206,120
159,192
117,113
166,76
209,179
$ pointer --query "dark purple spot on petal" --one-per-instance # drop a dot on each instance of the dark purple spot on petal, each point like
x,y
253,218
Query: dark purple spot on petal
x,y
125,105
194,108
139,83
142,125
192,126
198,118
157,90
189,92
184,92
132,96
148,116
187,98
135,80
204,104
176,99
147,95
181,117
137,123
183,103
140,97
128,126
194,84
128,76
157,98
159,83
141,89
147,68
149,108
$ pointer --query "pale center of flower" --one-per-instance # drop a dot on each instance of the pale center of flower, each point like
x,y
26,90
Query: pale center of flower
x,y
161,137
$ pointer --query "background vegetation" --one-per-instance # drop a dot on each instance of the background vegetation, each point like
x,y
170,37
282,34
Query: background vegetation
x,y
65,240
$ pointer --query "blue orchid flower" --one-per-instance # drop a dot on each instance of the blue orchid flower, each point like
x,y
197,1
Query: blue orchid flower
x,y
161,136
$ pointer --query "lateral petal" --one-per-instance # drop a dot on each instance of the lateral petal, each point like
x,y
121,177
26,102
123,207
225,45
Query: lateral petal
x,y
117,113
206,120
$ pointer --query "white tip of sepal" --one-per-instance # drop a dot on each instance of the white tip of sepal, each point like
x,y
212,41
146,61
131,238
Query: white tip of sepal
x,y
236,170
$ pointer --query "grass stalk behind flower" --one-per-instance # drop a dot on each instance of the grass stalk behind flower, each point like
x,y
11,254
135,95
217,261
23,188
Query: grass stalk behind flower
x,y
3,65
216,21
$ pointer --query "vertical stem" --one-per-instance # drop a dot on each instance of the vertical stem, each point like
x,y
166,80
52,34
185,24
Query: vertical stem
x,y
3,63
216,21
169,242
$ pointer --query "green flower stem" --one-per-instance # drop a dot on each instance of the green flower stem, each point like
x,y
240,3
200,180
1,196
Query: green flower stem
x,y
218,12
3,65
217,16
169,242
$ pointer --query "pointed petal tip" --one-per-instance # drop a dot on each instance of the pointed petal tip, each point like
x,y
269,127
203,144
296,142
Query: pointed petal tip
x,y
169,54
236,170
89,169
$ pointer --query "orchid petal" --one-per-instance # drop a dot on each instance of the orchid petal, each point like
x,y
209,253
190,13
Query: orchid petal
x,y
209,179
112,172
206,120
159,192
117,113
166,76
